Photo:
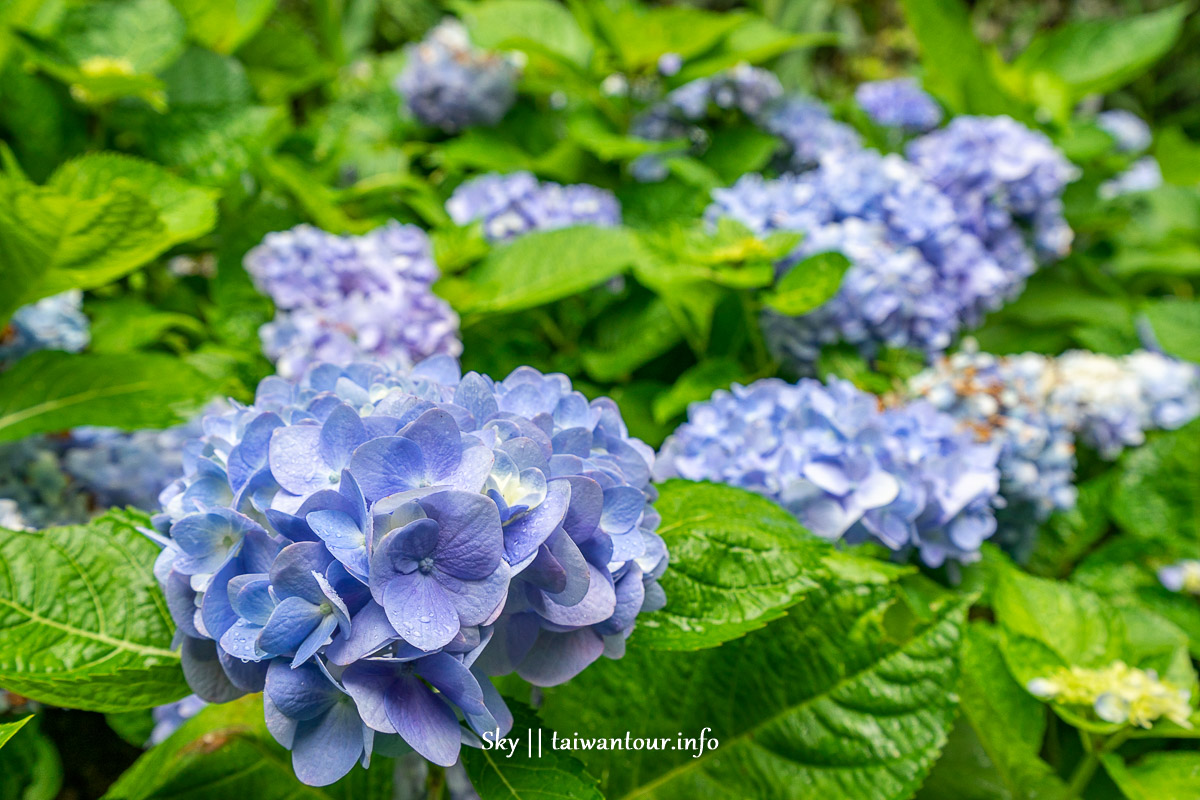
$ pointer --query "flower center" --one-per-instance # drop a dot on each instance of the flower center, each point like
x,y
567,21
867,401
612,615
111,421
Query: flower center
x,y
425,565
325,608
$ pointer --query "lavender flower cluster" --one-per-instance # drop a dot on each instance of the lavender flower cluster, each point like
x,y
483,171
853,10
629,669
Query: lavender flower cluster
x,y
1002,178
517,203
904,477
900,103
52,323
917,277
367,546
343,298
1035,408
448,84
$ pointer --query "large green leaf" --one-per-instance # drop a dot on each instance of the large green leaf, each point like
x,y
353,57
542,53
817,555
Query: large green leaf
x,y
696,384
54,391
54,242
186,211
499,24
1156,776
850,695
9,729
1176,323
222,25
1157,493
541,267
1098,56
630,335
82,621
146,33
226,751
738,561
532,771
30,767
808,284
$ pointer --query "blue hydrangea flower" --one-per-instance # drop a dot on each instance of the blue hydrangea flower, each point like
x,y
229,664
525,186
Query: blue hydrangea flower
x,y
905,477
120,468
448,84
669,64
517,203
899,103
1143,175
170,718
353,538
1001,177
808,131
917,277
1128,130
343,298
52,323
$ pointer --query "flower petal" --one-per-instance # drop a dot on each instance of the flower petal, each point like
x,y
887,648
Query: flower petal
x,y
387,466
325,749
295,459
425,721
290,624
470,539
420,610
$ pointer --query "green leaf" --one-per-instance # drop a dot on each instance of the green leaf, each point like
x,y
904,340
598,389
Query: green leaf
x,y
542,267
504,24
54,391
213,146
957,68
809,284
1158,491
226,751
548,775
1098,56
1178,156
30,767
9,729
222,25
54,242
82,621
630,335
1176,323
641,35
695,385
186,211
734,151
1000,733
124,324
148,34
1155,776
849,695
738,561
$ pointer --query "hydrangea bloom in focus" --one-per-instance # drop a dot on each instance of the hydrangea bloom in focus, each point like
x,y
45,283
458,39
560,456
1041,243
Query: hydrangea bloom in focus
x,y
1002,177
904,477
899,103
52,323
517,203
917,277
450,85
367,546
343,298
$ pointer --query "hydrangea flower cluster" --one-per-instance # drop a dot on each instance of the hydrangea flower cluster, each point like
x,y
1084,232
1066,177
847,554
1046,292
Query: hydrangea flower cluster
x,y
448,84
169,718
52,323
809,132
917,277
351,543
1181,577
517,203
1128,130
33,480
1000,176
1143,175
119,468
1117,693
1035,407
899,103
343,298
905,477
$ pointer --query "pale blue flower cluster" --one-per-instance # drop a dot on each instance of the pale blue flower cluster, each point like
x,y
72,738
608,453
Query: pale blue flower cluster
x,y
809,132
170,718
904,477
52,323
344,298
917,277
1003,178
446,83
899,103
1129,131
367,546
120,468
517,203
1036,407
1143,175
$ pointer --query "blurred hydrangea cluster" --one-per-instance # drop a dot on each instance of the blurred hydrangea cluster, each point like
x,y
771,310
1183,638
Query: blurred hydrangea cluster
x,y
367,545
1117,693
1002,178
517,203
900,103
809,133
448,84
170,718
1183,576
1143,175
52,323
1035,407
343,298
917,277
37,491
905,477
1129,131
120,468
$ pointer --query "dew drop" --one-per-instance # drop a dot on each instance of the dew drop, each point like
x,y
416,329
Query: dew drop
x,y
426,619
